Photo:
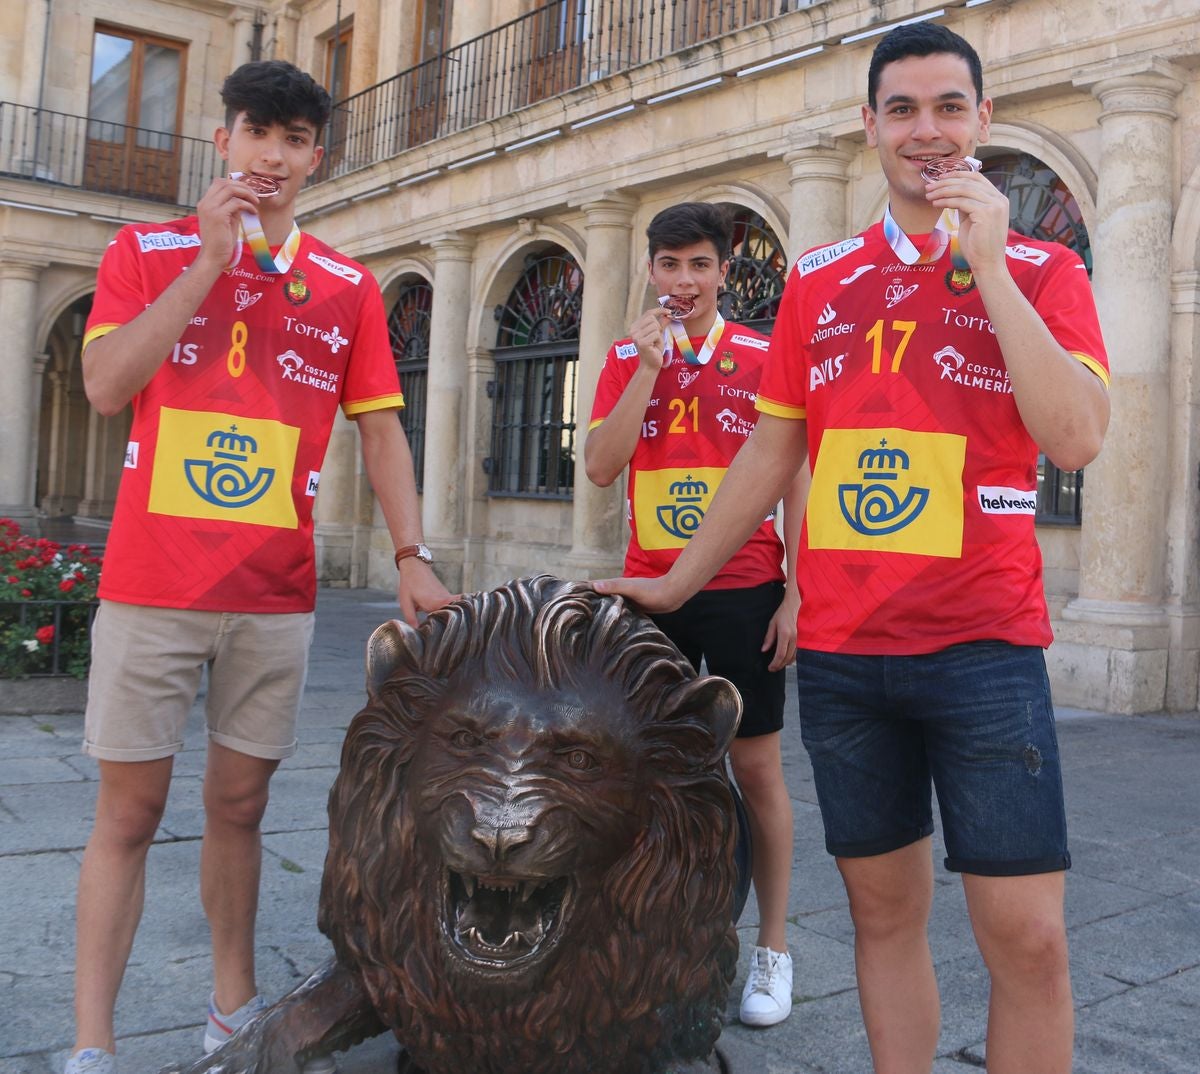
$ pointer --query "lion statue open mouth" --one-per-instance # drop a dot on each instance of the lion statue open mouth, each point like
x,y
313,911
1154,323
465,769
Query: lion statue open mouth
x,y
531,861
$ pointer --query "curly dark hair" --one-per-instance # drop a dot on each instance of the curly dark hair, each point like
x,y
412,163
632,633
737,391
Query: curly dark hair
x,y
690,222
273,91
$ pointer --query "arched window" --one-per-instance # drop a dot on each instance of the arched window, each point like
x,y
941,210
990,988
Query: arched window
x,y
1041,207
408,330
754,283
537,354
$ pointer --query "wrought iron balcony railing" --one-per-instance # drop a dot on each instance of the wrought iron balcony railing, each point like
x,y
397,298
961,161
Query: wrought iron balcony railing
x,y
110,158
550,50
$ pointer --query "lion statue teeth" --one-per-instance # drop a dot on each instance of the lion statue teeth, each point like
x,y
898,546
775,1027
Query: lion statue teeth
x,y
531,859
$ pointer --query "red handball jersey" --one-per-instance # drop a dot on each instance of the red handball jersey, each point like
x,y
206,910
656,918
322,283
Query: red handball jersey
x,y
215,506
698,418
919,532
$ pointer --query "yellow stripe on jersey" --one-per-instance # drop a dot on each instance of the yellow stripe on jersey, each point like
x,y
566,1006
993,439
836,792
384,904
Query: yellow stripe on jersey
x,y
888,490
223,466
391,401
668,505
780,410
1093,365
95,332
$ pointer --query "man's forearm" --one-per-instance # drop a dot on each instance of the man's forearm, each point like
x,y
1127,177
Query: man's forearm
x,y
1063,405
118,365
761,472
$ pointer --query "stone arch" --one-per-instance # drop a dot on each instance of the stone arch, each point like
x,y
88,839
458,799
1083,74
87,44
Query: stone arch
x,y
391,279
498,278
1185,241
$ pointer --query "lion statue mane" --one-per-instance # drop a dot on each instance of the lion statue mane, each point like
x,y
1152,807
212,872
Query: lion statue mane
x,y
531,859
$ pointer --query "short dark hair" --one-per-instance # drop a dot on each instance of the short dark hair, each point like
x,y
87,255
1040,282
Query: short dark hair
x,y
921,39
691,222
273,91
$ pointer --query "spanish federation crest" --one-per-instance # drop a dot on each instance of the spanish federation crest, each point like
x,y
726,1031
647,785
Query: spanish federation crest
x,y
960,281
726,366
296,290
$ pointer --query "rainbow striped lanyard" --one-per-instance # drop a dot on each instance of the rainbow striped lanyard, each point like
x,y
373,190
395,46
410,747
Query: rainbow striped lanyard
x,y
251,231
680,336
944,233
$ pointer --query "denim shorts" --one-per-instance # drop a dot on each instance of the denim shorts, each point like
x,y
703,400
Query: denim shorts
x,y
725,628
975,720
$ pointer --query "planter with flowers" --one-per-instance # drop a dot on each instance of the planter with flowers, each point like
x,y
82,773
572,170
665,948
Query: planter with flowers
x,y
47,603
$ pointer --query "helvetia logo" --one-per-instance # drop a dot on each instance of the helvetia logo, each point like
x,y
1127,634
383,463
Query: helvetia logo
x,y
998,500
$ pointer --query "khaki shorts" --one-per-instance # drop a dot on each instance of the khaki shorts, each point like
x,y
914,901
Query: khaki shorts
x,y
146,670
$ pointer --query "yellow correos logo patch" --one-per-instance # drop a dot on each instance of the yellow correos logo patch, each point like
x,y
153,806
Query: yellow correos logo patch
x,y
888,490
210,465
669,505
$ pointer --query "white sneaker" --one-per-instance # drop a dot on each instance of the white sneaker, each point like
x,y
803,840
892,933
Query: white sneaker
x,y
767,997
220,1027
91,1061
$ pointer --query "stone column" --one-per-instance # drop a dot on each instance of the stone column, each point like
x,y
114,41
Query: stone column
x,y
242,34
18,312
818,180
364,46
443,483
334,512
598,536
1114,641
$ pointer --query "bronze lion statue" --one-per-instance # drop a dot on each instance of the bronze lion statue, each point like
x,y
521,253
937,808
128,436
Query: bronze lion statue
x,y
532,845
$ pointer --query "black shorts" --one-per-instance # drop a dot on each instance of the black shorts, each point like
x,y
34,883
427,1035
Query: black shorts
x,y
726,628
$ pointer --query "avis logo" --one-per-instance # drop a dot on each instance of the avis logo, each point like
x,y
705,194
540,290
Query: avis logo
x,y
224,480
683,516
874,507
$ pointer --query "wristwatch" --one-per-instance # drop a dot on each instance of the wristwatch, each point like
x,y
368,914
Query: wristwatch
x,y
421,551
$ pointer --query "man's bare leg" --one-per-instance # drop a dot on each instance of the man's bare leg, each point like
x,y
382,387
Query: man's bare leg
x,y
890,898
112,885
235,798
1022,935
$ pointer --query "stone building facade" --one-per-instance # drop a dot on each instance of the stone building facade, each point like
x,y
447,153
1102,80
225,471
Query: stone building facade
x,y
495,164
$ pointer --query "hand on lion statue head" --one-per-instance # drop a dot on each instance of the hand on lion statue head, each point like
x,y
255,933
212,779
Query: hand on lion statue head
x,y
531,860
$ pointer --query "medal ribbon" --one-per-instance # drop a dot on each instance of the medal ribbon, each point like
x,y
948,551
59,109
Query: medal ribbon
x,y
944,233
251,231
680,336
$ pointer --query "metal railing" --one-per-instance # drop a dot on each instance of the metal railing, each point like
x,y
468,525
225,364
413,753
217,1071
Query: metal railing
x,y
110,158
68,651
552,49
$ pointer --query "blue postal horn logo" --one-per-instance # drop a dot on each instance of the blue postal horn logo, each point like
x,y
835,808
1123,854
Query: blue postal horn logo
x,y
876,507
683,517
224,480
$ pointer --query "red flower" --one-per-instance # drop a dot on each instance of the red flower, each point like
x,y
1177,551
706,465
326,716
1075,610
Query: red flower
x,y
67,584
27,592
44,634
13,579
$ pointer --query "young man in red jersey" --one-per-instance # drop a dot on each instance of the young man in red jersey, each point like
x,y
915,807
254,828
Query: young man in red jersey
x,y
674,404
236,337
921,366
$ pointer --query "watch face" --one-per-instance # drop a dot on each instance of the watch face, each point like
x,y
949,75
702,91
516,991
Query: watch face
x,y
423,554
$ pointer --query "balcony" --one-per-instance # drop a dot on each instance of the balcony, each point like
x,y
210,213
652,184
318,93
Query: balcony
x,y
108,158
554,48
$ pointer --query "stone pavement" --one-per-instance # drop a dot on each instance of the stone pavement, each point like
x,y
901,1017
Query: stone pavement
x,y
1133,795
